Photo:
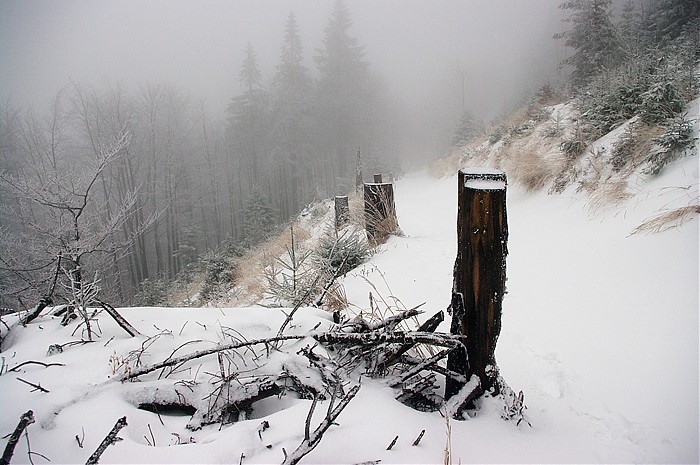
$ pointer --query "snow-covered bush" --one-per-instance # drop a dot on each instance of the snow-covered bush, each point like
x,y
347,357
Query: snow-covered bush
x,y
675,143
218,273
338,255
152,293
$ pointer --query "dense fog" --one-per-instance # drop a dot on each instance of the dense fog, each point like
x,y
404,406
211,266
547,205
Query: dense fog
x,y
141,139
426,54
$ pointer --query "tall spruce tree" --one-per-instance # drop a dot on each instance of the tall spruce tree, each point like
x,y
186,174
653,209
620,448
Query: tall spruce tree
x,y
248,119
592,36
343,92
291,133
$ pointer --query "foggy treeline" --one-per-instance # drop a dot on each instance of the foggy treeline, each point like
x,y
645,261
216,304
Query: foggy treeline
x,y
122,184
183,182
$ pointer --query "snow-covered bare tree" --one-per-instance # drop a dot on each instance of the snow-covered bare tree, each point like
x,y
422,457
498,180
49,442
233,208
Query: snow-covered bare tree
x,y
54,216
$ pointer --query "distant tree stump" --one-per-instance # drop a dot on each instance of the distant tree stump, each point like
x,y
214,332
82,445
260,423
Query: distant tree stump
x,y
342,211
377,178
359,179
380,212
479,277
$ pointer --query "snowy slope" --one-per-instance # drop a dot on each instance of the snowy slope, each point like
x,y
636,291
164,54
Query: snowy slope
x,y
600,331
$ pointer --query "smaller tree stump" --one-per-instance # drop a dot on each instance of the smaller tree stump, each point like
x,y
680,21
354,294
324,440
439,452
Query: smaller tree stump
x,y
377,178
380,212
342,211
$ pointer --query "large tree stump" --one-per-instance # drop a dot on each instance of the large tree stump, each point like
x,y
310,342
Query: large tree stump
x,y
479,277
380,212
342,211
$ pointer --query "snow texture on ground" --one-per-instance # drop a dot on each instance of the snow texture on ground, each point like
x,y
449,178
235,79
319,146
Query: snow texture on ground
x,y
600,332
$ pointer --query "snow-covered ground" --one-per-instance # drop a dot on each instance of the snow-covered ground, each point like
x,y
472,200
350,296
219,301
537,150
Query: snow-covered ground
x,y
600,332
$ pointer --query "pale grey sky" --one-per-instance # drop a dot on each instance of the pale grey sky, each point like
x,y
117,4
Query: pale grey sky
x,y
417,46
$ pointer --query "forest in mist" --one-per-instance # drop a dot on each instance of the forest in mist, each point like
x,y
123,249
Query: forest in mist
x,y
136,136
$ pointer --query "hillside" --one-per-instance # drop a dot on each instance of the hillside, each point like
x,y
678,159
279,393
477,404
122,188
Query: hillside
x,y
600,332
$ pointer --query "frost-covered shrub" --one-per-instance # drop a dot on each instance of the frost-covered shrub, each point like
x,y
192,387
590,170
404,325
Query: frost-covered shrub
x,y
218,272
152,293
291,280
675,143
341,254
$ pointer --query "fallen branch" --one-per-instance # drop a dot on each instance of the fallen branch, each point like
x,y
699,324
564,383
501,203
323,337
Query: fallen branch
x,y
307,445
414,370
110,439
460,401
121,321
32,362
35,386
199,354
25,420
429,326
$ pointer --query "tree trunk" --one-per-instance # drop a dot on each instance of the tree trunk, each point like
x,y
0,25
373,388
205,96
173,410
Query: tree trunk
x,y
380,212
479,277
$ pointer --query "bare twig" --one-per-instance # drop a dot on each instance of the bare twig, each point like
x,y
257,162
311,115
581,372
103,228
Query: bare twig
x,y
25,420
110,439
393,443
35,386
32,362
420,436
307,446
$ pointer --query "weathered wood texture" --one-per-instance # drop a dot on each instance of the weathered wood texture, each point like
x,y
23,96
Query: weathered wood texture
x,y
380,212
479,277
342,211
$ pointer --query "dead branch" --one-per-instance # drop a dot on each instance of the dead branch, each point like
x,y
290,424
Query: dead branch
x,y
456,405
110,439
201,353
418,368
37,387
307,446
121,321
429,326
394,320
25,420
420,436
393,443
398,337
33,362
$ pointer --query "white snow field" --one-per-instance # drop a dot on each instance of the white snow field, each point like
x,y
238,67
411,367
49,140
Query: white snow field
x,y
600,332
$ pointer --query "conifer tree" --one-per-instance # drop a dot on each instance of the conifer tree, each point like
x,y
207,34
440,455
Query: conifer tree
x,y
292,122
343,93
592,36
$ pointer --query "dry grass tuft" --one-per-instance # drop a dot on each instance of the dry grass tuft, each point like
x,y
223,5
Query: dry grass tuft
x,y
335,299
250,268
668,220
608,193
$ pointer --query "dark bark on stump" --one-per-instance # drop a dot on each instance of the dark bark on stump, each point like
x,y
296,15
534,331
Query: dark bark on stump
x,y
380,212
342,211
377,178
479,278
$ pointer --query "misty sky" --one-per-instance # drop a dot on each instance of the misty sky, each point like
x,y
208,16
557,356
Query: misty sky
x,y
504,47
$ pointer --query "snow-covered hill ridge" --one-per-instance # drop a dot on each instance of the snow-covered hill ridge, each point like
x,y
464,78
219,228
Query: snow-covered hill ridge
x,y
600,332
